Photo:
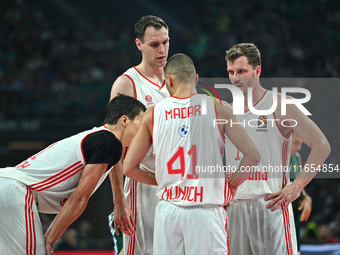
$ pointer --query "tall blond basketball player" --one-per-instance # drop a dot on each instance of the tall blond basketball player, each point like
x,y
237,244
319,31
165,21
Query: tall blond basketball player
x,y
190,218
144,82
261,218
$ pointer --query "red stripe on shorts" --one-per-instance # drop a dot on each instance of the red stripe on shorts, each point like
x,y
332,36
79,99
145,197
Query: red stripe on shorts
x,y
287,230
30,227
133,207
226,229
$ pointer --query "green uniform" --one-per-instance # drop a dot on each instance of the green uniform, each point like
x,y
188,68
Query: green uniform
x,y
117,240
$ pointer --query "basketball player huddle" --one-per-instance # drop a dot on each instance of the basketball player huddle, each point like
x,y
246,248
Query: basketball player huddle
x,y
165,205
185,213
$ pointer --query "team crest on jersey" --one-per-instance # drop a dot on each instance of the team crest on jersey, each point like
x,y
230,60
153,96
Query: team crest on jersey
x,y
148,99
183,130
262,122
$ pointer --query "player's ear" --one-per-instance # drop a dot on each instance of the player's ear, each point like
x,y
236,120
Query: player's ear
x,y
196,79
123,121
258,70
170,78
138,44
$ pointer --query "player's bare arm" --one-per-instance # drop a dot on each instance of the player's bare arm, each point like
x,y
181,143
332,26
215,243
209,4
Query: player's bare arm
x,y
123,217
122,213
313,137
122,85
75,205
240,138
306,200
137,150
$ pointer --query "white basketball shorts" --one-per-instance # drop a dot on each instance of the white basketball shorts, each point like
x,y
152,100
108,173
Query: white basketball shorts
x,y
143,200
256,230
190,230
20,227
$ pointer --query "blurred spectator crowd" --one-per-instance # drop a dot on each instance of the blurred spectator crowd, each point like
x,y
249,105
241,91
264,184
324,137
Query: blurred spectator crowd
x,y
54,67
57,68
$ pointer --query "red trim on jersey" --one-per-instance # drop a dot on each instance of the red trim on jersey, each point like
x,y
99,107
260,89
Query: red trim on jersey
x,y
223,137
277,125
133,207
159,87
58,178
225,191
180,97
185,97
257,101
25,163
227,195
134,85
35,155
284,160
153,122
284,153
288,236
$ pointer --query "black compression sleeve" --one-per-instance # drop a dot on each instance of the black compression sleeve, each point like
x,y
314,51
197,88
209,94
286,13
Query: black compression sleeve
x,y
102,147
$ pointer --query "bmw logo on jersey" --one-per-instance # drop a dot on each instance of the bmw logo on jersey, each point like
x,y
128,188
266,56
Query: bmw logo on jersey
x,y
183,130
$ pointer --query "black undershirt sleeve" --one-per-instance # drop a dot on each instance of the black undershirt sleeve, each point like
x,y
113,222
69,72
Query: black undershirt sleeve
x,y
102,147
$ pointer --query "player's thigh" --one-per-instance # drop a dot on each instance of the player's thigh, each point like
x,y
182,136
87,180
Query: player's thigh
x,y
238,228
143,200
271,232
205,230
20,230
168,238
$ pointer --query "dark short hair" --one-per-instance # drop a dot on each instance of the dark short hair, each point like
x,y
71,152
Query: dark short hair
x,y
147,21
181,66
122,105
248,50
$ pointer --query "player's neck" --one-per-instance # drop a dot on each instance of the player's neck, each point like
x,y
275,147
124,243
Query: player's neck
x,y
185,91
115,130
153,73
258,92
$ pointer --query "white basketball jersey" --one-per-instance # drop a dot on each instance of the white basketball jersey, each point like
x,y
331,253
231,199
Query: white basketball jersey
x,y
142,197
272,172
149,94
188,151
51,180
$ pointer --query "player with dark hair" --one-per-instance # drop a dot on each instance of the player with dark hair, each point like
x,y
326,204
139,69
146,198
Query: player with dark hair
x,y
60,180
190,217
145,82
148,21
